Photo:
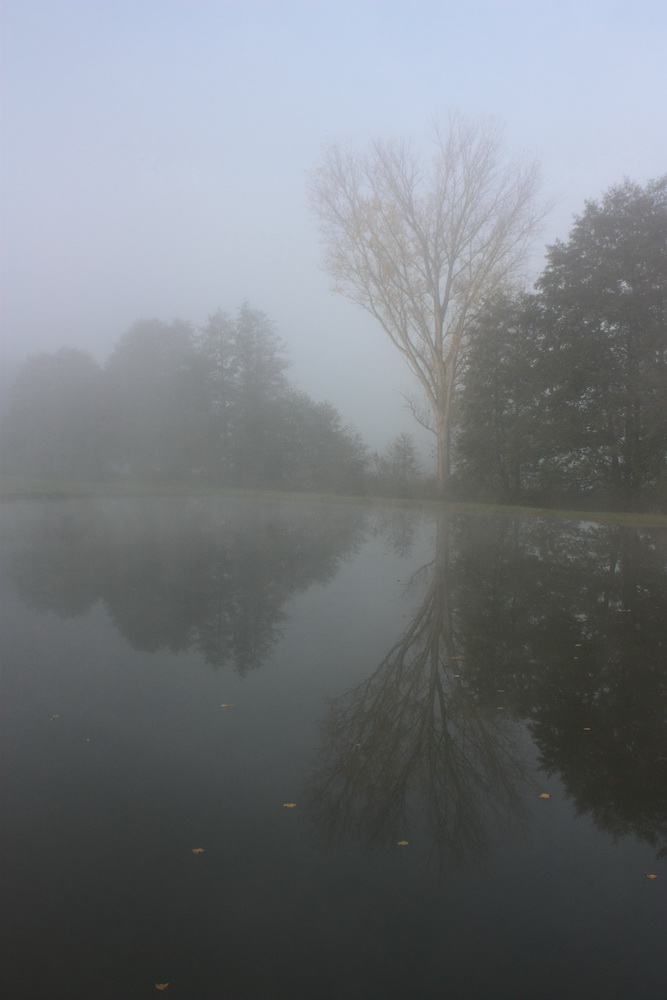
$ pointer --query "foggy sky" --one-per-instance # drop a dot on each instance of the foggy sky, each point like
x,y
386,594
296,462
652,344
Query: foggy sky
x,y
154,153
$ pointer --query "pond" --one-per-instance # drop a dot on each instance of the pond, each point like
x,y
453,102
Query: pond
x,y
261,750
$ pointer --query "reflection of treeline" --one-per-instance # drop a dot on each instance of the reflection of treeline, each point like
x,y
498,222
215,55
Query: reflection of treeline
x,y
180,574
569,620
559,624
178,404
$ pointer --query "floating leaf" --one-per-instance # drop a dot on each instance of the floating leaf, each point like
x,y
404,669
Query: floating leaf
x,y
52,717
588,729
544,795
500,708
402,843
161,986
650,875
197,850
289,805
227,704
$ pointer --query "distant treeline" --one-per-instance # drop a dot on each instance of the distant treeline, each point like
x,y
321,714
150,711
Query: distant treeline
x,y
175,404
561,394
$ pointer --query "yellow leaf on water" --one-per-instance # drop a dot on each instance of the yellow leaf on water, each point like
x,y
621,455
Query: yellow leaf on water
x,y
402,843
544,795
197,850
161,986
289,805
650,875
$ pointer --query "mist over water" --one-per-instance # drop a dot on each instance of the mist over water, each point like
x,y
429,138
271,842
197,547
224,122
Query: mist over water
x,y
491,691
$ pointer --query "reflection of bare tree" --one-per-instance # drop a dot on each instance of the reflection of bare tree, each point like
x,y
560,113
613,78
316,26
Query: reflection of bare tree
x,y
414,741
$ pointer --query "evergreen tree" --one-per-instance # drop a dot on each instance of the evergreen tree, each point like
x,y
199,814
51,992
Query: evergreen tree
x,y
604,358
498,442
243,367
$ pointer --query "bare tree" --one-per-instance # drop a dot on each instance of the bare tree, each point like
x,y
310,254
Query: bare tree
x,y
421,246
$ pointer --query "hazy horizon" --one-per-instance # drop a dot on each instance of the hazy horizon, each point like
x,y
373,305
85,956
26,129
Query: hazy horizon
x,y
155,155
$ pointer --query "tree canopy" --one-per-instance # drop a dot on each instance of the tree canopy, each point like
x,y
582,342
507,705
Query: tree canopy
x,y
566,389
177,404
421,247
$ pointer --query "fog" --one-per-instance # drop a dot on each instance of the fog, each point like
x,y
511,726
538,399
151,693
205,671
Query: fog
x,y
155,155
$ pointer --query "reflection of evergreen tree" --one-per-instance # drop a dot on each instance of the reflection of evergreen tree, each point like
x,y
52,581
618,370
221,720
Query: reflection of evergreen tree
x,y
415,738
568,619
181,574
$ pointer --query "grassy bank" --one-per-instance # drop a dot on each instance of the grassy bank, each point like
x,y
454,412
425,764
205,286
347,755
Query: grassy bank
x,y
14,489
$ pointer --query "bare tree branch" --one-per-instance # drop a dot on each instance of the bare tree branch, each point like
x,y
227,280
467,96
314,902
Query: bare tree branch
x,y
420,247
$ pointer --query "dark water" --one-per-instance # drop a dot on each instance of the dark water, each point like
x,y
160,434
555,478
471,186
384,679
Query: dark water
x,y
398,677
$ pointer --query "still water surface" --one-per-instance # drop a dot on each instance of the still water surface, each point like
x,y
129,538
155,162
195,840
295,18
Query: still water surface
x,y
175,671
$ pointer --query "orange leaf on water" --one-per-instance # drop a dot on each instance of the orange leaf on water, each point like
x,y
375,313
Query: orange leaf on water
x,y
161,986
650,875
289,805
544,795
197,850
